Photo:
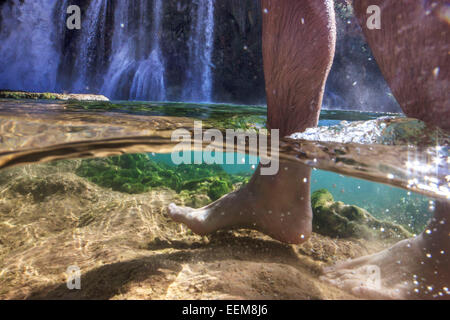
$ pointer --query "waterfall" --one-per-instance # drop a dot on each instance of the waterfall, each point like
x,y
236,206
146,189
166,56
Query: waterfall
x,y
137,69
91,44
148,82
117,52
198,84
29,53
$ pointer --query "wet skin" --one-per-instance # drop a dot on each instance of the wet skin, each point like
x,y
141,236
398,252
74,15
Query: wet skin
x,y
298,47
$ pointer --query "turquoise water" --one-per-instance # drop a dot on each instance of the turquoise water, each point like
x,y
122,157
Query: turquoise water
x,y
383,201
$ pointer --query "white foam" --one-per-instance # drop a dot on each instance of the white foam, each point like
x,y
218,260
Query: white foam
x,y
362,132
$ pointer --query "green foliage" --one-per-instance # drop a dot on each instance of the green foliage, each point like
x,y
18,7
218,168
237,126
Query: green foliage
x,y
48,96
137,173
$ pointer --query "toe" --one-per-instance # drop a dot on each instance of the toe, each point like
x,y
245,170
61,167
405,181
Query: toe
x,y
376,293
179,214
172,208
174,212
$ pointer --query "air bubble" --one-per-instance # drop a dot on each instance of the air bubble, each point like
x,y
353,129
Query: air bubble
x,y
436,72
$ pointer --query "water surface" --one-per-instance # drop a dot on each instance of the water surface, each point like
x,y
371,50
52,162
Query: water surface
x,y
88,184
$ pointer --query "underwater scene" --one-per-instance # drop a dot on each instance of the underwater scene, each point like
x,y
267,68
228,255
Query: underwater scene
x,y
242,152
94,185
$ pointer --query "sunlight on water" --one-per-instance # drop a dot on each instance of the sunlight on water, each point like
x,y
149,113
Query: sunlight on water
x,y
99,189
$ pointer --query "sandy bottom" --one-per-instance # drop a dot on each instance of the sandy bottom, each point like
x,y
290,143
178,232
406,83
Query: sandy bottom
x,y
128,248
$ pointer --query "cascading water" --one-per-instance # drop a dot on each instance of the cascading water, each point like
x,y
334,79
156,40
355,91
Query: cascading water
x,y
29,52
136,70
148,82
117,52
198,85
92,43
33,56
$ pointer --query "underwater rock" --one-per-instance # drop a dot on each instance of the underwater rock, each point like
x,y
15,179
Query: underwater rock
x,y
194,200
336,219
6,94
402,131
217,189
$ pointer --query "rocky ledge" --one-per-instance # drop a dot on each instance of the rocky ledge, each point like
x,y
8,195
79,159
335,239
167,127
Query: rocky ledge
x,y
7,94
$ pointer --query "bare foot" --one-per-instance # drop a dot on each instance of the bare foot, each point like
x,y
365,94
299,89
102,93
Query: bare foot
x,y
278,206
417,268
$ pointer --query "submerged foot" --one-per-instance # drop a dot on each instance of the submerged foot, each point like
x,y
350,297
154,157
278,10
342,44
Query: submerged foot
x,y
278,206
417,268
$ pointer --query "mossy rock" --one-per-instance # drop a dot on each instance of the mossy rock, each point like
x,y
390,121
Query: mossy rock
x,y
404,131
336,219
24,95
321,198
19,95
194,200
218,189
138,173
